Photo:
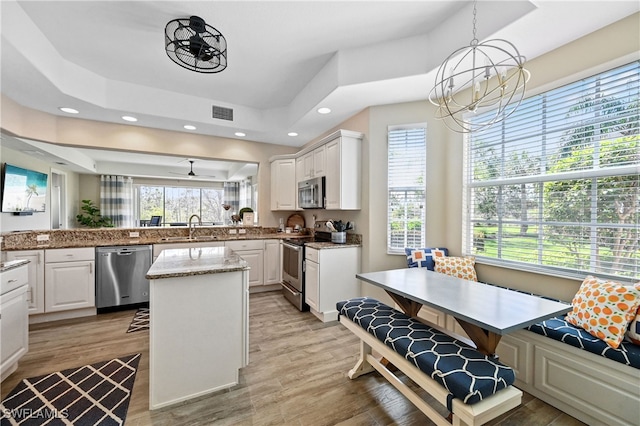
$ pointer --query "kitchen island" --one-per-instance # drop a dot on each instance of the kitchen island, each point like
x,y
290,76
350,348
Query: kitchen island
x,y
199,319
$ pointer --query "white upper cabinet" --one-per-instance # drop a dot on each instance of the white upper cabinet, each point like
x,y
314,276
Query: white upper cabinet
x,y
311,164
338,157
283,184
343,173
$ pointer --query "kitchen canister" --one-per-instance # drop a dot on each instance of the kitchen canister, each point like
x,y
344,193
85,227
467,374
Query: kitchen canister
x,y
339,237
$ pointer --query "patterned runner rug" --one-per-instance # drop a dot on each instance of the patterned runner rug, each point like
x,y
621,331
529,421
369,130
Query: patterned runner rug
x,y
96,394
140,320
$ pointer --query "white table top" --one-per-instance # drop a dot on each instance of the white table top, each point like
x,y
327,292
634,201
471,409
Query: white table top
x,y
493,308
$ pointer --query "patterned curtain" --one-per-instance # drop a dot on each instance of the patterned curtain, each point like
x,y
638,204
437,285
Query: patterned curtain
x,y
116,200
232,195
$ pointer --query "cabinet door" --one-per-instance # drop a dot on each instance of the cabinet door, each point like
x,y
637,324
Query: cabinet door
x,y
312,284
255,260
308,165
35,271
69,285
272,262
332,181
343,174
14,328
319,160
283,184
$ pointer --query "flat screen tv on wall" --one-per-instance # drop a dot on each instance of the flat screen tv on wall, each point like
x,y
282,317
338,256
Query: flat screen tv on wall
x,y
23,191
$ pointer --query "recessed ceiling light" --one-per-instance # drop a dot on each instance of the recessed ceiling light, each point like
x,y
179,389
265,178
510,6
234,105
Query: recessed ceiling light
x,y
129,118
69,110
324,110
240,134
189,127
292,134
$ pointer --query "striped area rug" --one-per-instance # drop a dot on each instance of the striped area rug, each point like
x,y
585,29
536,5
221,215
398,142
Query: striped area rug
x,y
96,394
140,320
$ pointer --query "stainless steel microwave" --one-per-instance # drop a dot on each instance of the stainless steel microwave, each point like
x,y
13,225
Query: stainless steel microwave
x,y
311,193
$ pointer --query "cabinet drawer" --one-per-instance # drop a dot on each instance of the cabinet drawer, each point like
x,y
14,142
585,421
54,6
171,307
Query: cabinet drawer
x,y
245,245
69,254
14,278
311,254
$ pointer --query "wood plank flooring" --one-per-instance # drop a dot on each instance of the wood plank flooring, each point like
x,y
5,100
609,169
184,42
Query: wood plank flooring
x,y
296,375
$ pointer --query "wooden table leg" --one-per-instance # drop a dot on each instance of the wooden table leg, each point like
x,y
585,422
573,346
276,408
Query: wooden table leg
x,y
408,306
486,341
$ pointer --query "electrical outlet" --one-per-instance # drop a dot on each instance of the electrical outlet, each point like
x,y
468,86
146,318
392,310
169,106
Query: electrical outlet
x,y
134,235
42,237
242,231
233,231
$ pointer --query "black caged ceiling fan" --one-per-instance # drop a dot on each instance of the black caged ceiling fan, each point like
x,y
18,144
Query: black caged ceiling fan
x,y
196,46
191,173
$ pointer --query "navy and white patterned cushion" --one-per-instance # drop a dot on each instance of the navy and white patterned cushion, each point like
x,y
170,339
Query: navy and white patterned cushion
x,y
464,372
559,329
423,257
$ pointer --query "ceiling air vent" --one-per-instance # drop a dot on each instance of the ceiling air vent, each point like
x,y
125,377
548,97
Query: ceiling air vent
x,y
222,113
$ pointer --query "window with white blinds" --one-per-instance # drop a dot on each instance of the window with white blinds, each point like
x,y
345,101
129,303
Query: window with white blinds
x,y
555,188
407,164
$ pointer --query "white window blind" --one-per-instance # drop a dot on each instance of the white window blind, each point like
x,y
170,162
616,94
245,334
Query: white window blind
x,y
555,188
407,163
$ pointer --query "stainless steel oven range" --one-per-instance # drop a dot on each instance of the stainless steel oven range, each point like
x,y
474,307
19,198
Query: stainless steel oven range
x,y
293,268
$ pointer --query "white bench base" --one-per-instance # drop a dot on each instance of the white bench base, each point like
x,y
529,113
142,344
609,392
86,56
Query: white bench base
x,y
593,389
462,414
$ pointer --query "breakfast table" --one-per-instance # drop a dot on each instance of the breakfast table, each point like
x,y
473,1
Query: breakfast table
x,y
485,312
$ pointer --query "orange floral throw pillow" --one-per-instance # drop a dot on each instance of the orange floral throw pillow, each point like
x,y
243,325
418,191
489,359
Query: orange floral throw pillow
x,y
604,308
461,267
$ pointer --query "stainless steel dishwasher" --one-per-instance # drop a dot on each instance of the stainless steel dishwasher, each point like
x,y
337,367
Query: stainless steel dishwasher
x,y
120,275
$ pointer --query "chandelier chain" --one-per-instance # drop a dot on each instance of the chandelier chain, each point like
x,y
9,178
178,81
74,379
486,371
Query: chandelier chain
x,y
474,41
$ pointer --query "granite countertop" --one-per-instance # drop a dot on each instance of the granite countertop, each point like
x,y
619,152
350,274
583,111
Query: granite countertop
x,y
330,245
76,238
11,264
112,237
185,262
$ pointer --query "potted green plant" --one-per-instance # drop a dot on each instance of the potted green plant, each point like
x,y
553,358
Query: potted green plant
x,y
91,216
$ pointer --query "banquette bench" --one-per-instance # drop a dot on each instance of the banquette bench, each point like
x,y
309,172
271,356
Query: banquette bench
x,y
474,388
560,363
575,372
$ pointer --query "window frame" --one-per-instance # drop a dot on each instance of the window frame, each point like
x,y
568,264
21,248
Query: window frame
x,y
394,250
623,170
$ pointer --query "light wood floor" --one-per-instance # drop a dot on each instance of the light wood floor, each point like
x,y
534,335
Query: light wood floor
x,y
296,375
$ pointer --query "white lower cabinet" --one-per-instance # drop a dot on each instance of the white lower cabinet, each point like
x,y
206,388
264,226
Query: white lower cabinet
x,y
14,323
272,264
69,279
330,277
255,260
311,284
252,251
35,271
263,257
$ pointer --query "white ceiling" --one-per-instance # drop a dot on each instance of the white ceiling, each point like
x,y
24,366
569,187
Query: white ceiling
x,y
286,58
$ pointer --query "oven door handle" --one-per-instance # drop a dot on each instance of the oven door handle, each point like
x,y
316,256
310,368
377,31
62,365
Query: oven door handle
x,y
295,293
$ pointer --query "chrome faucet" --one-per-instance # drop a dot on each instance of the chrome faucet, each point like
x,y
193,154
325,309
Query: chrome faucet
x,y
191,226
